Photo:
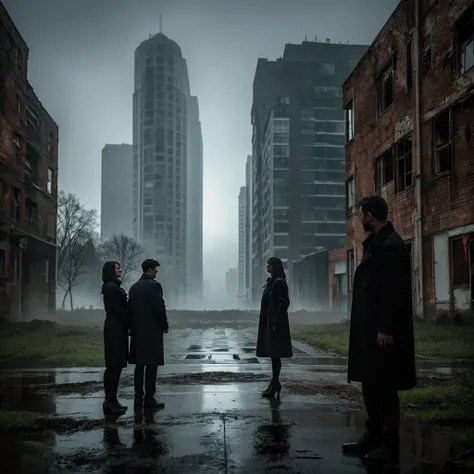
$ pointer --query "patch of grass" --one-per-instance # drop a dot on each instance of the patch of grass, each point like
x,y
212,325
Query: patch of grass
x,y
431,340
50,346
11,421
451,402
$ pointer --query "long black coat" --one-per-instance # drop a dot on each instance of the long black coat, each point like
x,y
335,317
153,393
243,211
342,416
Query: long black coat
x,y
116,324
382,301
274,312
148,321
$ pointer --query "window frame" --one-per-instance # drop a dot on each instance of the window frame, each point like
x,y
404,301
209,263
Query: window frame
x,y
380,82
350,195
401,159
349,120
448,146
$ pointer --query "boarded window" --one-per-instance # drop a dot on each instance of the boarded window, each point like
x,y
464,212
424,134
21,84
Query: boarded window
x,y
460,262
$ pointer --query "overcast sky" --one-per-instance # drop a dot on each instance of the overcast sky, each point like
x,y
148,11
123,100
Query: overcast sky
x,y
81,66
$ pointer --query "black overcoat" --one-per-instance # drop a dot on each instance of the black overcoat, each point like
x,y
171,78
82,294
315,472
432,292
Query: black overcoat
x,y
116,324
382,302
148,321
274,312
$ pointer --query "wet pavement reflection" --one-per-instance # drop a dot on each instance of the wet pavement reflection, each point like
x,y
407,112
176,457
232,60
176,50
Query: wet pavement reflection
x,y
212,423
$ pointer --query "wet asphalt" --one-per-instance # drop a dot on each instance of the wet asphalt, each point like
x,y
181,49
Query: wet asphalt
x,y
214,420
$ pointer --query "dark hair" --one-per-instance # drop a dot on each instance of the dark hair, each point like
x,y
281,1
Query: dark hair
x,y
149,264
108,273
277,267
376,205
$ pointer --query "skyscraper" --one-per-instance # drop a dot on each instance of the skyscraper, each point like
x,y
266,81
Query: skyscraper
x,y
116,191
242,241
165,126
298,153
248,228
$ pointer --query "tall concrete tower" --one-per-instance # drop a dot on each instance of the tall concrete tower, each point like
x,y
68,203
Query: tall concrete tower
x,y
161,140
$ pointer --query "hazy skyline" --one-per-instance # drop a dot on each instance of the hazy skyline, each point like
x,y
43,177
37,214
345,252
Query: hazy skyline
x,y
81,66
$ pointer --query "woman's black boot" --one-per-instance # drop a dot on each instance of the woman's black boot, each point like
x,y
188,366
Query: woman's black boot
x,y
274,389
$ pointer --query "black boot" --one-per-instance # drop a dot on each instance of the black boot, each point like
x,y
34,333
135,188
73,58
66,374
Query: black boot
x,y
368,441
274,389
388,450
153,404
268,388
113,407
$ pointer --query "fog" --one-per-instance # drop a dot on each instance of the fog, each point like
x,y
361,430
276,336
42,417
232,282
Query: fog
x,y
81,65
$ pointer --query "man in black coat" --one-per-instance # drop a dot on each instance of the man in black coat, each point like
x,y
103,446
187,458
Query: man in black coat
x,y
148,323
381,343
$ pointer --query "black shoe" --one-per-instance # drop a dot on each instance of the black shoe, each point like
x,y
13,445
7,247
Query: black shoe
x,y
388,450
274,389
152,403
111,407
122,407
268,389
368,441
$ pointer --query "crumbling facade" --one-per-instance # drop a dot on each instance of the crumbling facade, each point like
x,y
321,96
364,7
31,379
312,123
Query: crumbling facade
x,y
409,123
28,185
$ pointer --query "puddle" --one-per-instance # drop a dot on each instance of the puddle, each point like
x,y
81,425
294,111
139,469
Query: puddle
x,y
195,356
220,350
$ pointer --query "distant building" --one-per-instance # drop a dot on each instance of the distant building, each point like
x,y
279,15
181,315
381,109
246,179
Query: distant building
x,y
410,111
248,230
242,241
231,287
298,164
116,215
28,185
194,206
167,166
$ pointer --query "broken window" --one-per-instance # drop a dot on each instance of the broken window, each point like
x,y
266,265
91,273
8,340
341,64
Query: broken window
x,y
385,87
409,78
459,262
384,171
427,55
15,204
404,164
17,148
465,41
350,194
49,186
350,120
443,140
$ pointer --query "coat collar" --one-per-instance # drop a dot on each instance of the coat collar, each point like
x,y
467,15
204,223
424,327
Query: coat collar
x,y
375,240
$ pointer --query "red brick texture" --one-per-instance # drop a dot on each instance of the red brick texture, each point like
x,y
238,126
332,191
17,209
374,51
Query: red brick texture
x,y
447,198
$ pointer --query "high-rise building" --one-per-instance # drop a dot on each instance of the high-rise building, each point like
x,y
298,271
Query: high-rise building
x,y
298,152
194,238
242,242
165,126
231,287
116,217
248,229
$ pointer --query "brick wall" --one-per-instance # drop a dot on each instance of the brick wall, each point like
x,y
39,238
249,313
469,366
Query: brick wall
x,y
447,198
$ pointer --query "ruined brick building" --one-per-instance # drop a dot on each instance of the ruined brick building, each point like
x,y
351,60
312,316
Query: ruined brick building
x,y
28,185
409,111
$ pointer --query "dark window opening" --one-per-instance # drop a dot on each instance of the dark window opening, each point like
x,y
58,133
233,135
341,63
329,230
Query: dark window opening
x,y
460,262
465,41
427,55
385,87
409,65
384,171
31,209
443,142
2,262
13,262
15,204
404,164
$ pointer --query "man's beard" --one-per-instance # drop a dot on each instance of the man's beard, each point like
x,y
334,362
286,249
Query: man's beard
x,y
367,227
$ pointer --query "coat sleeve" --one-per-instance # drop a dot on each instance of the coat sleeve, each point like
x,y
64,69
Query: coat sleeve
x,y
112,303
159,307
391,295
282,300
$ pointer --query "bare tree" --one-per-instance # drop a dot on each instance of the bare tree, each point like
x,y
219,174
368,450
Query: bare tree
x,y
75,228
124,250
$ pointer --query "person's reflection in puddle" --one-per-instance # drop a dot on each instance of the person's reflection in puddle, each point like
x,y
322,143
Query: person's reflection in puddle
x,y
272,439
145,432
379,467
111,438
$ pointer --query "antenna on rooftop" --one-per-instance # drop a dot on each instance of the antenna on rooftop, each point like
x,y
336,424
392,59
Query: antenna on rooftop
x,y
161,23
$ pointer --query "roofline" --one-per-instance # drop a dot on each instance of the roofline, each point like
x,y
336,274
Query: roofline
x,y
372,44
20,36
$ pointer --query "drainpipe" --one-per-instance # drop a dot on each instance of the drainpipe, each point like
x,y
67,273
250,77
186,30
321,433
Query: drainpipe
x,y
419,280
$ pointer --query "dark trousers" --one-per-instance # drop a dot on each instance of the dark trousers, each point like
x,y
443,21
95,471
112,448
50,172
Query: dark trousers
x,y
148,374
111,382
383,409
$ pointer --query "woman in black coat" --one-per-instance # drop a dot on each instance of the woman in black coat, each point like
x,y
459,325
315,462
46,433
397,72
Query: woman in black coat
x,y
115,334
274,338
